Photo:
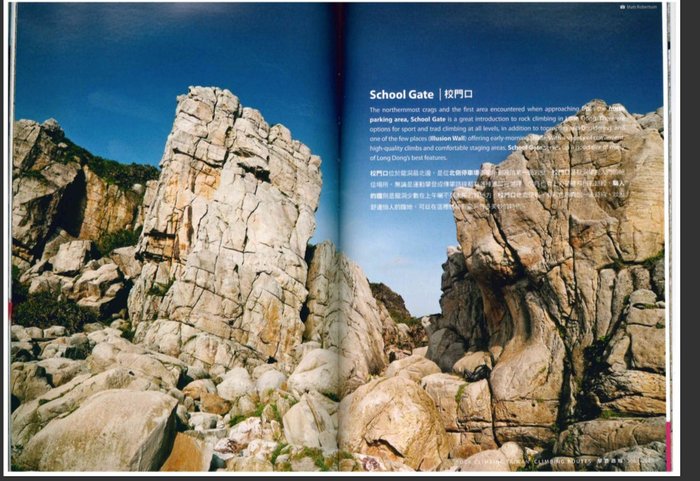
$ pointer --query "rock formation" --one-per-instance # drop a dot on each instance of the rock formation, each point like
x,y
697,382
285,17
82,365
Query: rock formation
x,y
558,281
344,316
243,348
225,238
57,195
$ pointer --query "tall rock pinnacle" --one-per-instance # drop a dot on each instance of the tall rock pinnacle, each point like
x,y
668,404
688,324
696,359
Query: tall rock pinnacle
x,y
225,237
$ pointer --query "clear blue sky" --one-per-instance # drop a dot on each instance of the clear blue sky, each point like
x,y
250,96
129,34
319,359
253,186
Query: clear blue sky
x,y
110,73
509,54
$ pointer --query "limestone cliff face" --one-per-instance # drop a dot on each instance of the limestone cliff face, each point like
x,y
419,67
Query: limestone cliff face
x,y
224,240
57,196
555,241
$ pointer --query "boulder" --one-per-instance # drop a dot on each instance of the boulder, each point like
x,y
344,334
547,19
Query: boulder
x,y
33,416
647,457
308,423
59,370
445,347
212,403
344,315
269,381
125,259
508,457
236,383
548,272
394,419
28,380
195,389
318,371
188,454
414,367
115,430
71,257
463,406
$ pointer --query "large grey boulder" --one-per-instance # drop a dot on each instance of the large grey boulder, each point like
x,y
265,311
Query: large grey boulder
x,y
115,430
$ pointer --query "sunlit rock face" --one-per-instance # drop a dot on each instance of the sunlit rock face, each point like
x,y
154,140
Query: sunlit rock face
x,y
224,240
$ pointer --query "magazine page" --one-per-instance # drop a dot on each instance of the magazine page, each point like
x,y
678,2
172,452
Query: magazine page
x,y
503,189
367,238
158,301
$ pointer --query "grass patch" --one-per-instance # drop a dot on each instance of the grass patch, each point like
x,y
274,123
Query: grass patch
x,y
612,414
291,400
236,419
114,240
345,455
276,413
316,454
258,410
460,392
276,453
530,464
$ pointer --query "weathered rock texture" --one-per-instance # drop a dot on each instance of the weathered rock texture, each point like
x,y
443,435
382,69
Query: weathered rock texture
x,y
344,316
57,196
115,430
393,418
224,240
556,243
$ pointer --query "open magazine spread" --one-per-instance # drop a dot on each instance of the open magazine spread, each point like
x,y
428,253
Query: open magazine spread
x,y
402,237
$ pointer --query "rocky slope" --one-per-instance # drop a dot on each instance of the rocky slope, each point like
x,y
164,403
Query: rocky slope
x,y
245,349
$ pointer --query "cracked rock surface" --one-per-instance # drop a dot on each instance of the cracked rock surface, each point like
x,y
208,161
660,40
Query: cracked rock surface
x,y
552,284
224,240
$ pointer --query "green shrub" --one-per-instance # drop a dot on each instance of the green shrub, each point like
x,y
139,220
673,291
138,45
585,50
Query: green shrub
x,y
44,309
123,175
19,290
111,171
114,240
316,454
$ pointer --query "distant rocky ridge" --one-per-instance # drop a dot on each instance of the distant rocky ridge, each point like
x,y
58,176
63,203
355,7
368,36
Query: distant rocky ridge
x,y
243,348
